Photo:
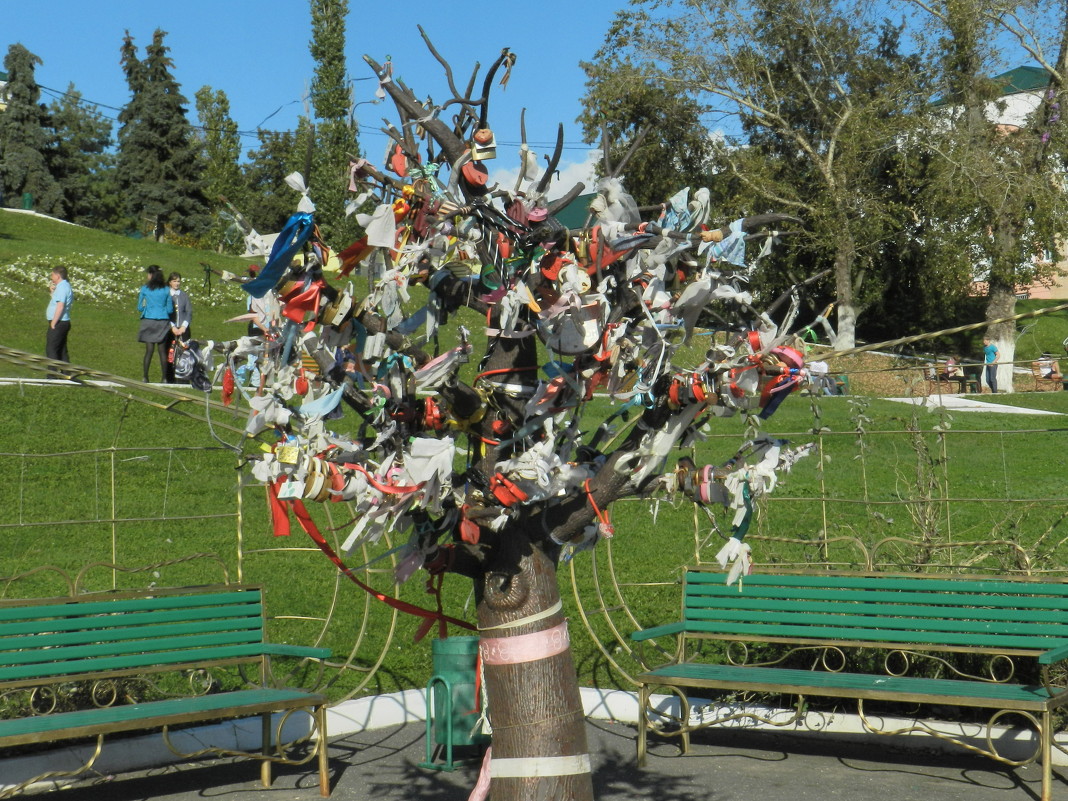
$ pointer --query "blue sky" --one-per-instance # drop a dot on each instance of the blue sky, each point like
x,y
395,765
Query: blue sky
x,y
257,52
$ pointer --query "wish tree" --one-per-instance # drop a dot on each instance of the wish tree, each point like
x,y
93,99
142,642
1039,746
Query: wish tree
x,y
501,470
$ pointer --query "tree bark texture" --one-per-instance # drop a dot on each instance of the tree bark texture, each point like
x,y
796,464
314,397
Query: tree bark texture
x,y
847,307
539,747
1001,302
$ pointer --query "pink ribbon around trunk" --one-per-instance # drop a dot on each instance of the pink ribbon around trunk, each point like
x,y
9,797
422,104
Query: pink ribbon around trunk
x,y
525,647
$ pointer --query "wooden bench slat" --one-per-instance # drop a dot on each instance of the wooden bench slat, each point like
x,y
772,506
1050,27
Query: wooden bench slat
x,y
72,638
15,610
667,630
703,594
81,653
800,681
81,723
865,621
251,611
144,661
918,583
875,636
1053,614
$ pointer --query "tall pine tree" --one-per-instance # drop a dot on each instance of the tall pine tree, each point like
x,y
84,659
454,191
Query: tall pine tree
x,y
159,168
335,130
81,161
24,138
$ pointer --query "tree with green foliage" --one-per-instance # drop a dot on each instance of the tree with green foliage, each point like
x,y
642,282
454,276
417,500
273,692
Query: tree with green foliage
x,y
915,277
626,100
221,148
1000,191
818,94
159,165
81,161
334,128
24,138
268,204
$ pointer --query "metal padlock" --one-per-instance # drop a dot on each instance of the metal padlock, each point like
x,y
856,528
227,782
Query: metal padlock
x,y
288,454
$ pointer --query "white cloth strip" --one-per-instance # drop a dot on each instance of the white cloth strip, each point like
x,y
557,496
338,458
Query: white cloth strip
x,y
544,613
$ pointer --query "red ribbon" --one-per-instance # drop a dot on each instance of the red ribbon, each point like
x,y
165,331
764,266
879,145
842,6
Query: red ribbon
x,y
298,302
389,489
280,510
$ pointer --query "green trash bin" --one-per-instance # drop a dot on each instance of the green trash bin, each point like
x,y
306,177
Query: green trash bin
x,y
452,703
27,201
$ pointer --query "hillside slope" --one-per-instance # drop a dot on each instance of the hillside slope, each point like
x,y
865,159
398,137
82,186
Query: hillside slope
x,y
106,271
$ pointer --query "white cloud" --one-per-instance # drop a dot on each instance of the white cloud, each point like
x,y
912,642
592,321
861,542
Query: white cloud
x,y
570,173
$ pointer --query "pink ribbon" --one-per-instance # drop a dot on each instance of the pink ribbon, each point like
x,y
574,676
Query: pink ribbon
x,y
525,647
482,786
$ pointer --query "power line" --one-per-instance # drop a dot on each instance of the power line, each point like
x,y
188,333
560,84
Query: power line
x,y
93,107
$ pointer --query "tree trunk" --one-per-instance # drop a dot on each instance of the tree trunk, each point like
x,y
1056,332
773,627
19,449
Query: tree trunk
x,y
844,259
847,327
539,731
1001,302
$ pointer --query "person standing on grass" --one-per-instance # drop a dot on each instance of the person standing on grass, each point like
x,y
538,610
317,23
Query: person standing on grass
x,y
182,316
58,315
990,359
155,304
181,319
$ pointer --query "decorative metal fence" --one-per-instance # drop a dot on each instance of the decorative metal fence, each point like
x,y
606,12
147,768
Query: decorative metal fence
x,y
919,491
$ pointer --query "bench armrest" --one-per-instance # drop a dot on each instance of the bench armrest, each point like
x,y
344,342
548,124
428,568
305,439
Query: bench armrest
x,y
273,649
1053,655
668,629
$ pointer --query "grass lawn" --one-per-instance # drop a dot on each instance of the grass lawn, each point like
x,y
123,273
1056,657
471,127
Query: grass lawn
x,y
106,272
90,477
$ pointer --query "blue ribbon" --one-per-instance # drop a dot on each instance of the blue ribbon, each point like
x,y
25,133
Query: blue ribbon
x,y
322,406
297,230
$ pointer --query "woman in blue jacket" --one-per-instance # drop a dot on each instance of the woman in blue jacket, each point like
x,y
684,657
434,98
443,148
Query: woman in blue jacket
x,y
155,305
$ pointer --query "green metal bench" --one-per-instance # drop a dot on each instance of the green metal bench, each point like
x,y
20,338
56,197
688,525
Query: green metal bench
x,y
918,624
109,662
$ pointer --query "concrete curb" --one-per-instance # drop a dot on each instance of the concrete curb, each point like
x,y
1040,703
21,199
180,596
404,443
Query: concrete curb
x,y
409,706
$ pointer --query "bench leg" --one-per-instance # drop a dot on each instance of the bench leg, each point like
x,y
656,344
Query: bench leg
x,y
643,722
324,772
265,749
1047,756
684,720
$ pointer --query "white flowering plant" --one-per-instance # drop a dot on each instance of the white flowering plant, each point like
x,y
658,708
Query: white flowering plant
x,y
99,279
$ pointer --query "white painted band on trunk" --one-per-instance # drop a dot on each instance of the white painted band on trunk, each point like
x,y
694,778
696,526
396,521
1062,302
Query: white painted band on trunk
x,y
535,767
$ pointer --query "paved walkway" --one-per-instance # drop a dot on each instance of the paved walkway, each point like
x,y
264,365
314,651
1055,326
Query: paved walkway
x,y
383,765
964,403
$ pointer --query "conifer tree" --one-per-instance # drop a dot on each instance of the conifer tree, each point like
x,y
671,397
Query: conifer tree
x,y
24,138
335,132
80,160
267,208
159,169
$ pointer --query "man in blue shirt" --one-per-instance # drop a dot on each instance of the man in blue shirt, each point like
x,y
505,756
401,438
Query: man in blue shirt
x,y
58,316
990,358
